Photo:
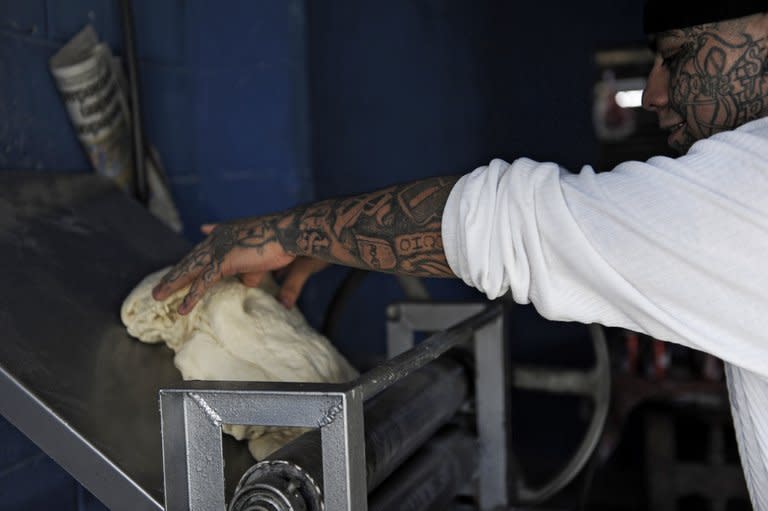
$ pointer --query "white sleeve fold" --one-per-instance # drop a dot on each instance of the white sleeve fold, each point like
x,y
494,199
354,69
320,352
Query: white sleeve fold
x,y
675,248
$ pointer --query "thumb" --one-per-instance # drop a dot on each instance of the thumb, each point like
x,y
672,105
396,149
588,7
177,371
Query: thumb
x,y
252,279
295,279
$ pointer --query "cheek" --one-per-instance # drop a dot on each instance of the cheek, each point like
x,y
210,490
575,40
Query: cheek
x,y
682,89
690,98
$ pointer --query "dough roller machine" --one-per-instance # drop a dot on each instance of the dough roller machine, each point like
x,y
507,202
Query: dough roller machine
x,y
411,433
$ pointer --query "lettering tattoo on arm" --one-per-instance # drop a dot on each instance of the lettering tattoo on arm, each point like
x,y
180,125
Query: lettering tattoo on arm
x,y
397,229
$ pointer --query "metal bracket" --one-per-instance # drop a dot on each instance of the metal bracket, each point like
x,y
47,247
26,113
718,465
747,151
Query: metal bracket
x,y
192,451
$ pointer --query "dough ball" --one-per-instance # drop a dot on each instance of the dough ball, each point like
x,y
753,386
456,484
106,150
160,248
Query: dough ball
x,y
237,333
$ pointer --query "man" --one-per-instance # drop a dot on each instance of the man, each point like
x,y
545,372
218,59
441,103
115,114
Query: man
x,y
674,248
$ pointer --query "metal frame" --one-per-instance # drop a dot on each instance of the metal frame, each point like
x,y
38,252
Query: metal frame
x,y
193,414
192,451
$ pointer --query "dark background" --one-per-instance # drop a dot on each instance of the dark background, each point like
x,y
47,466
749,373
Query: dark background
x,y
258,105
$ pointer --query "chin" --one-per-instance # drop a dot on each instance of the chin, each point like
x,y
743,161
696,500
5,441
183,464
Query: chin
x,y
683,144
679,148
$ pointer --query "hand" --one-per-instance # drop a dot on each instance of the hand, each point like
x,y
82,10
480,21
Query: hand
x,y
249,247
250,279
294,276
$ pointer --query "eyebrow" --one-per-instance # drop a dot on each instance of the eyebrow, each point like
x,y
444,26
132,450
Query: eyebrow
x,y
654,39
653,43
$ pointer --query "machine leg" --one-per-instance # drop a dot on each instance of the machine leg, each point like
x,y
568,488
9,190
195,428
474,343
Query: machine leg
x,y
492,384
343,444
193,460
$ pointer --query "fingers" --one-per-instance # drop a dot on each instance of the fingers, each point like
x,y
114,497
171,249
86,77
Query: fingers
x,y
181,275
193,296
291,289
296,276
252,279
199,287
185,271
247,248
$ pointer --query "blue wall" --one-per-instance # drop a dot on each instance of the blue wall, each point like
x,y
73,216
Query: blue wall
x,y
224,90
256,105
405,89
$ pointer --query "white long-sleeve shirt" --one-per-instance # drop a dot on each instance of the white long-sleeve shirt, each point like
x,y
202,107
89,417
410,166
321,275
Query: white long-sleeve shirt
x,y
676,248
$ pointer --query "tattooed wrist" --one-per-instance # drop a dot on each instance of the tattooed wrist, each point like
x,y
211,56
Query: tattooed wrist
x,y
397,229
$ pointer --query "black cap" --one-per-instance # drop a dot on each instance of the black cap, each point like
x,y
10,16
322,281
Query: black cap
x,y
661,15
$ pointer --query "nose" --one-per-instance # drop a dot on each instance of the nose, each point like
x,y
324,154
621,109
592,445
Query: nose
x,y
656,93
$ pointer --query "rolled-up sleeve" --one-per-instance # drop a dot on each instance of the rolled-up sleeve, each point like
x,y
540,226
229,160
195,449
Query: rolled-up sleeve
x,y
675,248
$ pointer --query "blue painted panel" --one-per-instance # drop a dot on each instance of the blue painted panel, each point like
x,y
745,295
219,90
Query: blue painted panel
x,y
26,17
38,485
242,35
249,119
249,192
395,91
162,31
29,480
217,197
171,100
66,18
403,89
35,132
15,448
159,26
87,502
192,205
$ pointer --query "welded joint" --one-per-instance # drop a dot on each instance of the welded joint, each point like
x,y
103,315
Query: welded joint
x,y
330,415
207,409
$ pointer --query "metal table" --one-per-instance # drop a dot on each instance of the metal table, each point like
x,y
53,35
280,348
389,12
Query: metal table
x,y
71,248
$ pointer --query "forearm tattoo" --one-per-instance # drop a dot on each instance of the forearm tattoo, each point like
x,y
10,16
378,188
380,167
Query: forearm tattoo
x,y
718,78
397,229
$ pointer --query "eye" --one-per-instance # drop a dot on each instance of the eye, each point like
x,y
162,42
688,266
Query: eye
x,y
675,54
671,59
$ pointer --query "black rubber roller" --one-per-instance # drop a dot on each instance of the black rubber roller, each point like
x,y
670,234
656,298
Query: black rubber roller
x,y
429,480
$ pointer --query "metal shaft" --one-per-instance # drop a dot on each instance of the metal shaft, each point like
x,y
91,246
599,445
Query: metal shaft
x,y
398,421
379,378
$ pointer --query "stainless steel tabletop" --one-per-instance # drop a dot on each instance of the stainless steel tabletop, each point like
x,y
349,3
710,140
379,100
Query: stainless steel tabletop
x,y
71,248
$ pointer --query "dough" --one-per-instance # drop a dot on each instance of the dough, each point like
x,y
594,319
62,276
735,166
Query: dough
x,y
237,333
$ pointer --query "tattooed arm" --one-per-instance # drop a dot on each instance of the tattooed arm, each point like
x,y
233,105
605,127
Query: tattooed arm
x,y
396,230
